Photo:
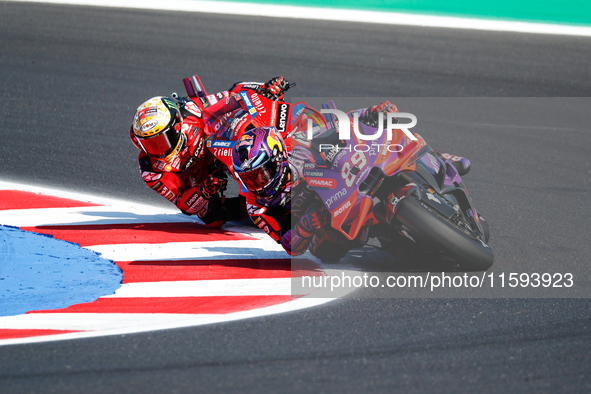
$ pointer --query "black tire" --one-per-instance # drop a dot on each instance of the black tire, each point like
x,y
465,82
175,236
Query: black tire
x,y
485,227
426,226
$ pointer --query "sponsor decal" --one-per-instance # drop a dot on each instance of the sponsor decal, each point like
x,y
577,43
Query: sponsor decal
x,y
322,183
246,140
340,194
251,85
148,176
171,197
188,164
197,204
163,190
192,199
159,164
198,151
176,163
147,113
219,144
258,103
281,121
169,103
341,209
204,102
212,99
222,152
237,127
450,157
263,225
249,107
339,156
194,109
313,173
297,111
274,110
334,154
193,182
223,119
253,210
285,199
149,125
362,175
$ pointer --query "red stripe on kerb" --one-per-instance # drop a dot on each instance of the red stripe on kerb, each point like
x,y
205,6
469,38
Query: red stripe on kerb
x,y
145,233
6,333
16,199
185,305
158,271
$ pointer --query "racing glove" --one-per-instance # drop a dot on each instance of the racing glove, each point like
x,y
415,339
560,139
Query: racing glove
x,y
371,115
295,241
275,88
214,183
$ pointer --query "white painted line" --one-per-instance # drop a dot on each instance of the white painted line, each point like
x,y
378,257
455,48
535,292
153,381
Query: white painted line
x,y
88,215
159,321
128,205
332,14
206,288
213,250
92,321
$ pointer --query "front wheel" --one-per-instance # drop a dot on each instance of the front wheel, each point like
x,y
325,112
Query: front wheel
x,y
436,232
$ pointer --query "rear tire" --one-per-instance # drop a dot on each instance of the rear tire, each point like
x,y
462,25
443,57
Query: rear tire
x,y
436,232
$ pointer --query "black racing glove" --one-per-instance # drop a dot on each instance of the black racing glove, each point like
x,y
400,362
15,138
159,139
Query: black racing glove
x,y
371,116
214,183
275,88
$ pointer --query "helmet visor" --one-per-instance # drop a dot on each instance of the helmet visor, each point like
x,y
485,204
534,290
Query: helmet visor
x,y
162,143
255,180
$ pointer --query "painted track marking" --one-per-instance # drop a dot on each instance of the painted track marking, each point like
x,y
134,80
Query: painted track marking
x,y
215,276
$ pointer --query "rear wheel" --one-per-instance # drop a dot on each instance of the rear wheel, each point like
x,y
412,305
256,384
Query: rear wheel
x,y
436,232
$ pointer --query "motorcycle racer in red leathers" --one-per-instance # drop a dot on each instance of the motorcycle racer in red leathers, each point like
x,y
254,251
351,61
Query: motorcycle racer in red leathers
x,y
173,159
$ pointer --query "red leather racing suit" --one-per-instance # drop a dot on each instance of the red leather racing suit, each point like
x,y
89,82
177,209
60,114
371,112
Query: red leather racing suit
x,y
180,178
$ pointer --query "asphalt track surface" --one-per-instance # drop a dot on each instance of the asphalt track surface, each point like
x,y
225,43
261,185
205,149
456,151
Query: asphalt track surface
x,y
72,78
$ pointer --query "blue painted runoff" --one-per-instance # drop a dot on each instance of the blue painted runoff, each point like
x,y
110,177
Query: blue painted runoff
x,y
39,272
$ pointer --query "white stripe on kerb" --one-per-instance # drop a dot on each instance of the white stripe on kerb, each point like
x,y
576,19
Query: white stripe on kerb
x,y
205,288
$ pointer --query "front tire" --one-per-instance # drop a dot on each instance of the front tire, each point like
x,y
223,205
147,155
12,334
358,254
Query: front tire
x,y
435,232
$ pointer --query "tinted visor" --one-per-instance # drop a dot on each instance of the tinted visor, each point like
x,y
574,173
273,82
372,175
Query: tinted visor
x,y
162,143
256,180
